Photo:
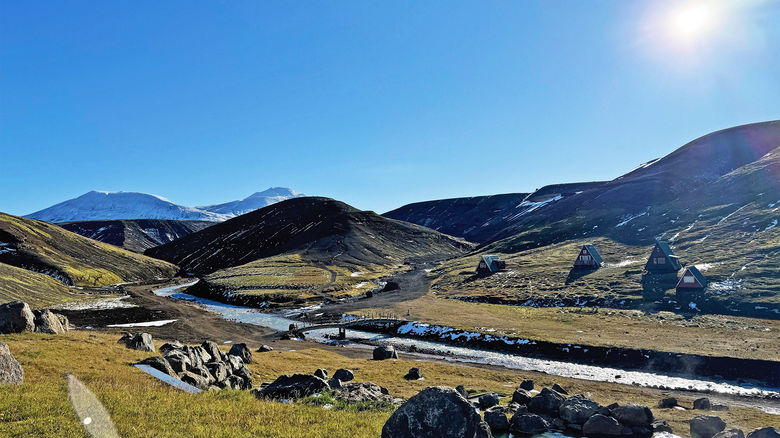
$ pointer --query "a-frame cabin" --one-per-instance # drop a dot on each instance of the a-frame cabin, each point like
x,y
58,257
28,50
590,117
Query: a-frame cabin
x,y
662,259
588,258
691,284
489,264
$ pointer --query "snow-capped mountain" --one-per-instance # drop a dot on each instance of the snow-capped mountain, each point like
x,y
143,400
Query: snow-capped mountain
x,y
99,205
253,202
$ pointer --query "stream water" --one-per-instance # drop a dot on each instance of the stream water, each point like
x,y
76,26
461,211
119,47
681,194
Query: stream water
x,y
471,355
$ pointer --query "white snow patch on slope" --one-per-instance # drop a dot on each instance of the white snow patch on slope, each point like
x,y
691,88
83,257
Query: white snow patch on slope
x,y
630,218
145,324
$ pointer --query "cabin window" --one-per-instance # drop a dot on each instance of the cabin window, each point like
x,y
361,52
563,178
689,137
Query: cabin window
x,y
688,279
660,260
585,258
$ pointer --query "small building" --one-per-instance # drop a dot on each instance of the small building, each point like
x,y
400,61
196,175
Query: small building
x,y
589,258
489,264
691,284
662,259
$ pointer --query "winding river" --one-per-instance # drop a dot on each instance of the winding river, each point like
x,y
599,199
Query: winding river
x,y
471,355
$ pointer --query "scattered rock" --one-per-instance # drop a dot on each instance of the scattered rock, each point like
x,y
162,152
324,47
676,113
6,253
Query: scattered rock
x,y
559,389
667,403
11,372
528,385
521,396
702,404
322,373
462,391
362,392
292,387
546,402
661,426
766,432
138,341
264,349
212,349
391,285
602,425
706,426
437,411
170,346
16,317
730,433
218,370
385,352
413,374
242,351
334,383
179,361
234,362
719,408
528,424
633,415
488,400
195,380
344,375
577,409
160,364
496,419
47,322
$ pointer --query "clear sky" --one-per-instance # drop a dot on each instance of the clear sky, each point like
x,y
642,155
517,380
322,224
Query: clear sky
x,y
376,103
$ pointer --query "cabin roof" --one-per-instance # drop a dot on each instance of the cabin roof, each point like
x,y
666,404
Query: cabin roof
x,y
665,248
696,274
594,253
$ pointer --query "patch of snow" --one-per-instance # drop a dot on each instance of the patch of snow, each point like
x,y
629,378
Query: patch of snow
x,y
361,284
772,225
531,206
356,274
693,306
630,218
723,219
145,324
622,263
704,266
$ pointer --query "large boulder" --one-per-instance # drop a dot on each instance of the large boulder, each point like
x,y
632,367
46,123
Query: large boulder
x,y
603,426
160,364
344,375
661,426
496,419
413,374
437,411
47,322
138,341
487,400
264,349
195,380
178,360
385,352
292,387
242,351
462,391
11,372
522,396
198,355
577,409
730,433
528,424
527,384
16,317
703,404
766,432
546,402
171,346
633,415
218,370
706,426
559,389
234,362
63,321
322,373
356,392
668,402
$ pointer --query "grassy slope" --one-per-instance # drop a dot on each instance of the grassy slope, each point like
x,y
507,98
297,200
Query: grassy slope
x,y
713,335
82,261
38,290
141,406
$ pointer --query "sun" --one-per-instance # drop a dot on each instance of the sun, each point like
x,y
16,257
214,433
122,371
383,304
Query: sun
x,y
693,21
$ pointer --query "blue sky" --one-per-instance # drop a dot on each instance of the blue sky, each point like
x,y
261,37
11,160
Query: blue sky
x,y
377,104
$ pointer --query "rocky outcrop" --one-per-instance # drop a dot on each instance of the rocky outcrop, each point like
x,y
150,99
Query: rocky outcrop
x,y
522,396
16,317
702,404
730,433
385,352
436,412
264,349
547,402
527,384
292,387
138,341
668,402
487,400
603,426
559,389
528,424
496,419
706,426
322,373
344,375
578,409
356,392
11,372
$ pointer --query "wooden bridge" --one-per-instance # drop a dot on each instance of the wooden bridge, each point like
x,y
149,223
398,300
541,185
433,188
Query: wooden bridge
x,y
300,329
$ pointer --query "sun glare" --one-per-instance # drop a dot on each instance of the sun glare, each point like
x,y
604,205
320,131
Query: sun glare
x,y
693,21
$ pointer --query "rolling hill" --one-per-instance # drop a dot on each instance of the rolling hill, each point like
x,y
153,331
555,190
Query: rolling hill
x,y
50,252
302,246
135,234
716,200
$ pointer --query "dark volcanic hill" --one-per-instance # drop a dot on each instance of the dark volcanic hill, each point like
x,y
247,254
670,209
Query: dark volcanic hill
x,y
135,234
321,230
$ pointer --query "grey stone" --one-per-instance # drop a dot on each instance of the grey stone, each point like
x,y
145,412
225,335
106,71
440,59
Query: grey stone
x,y
577,409
195,380
559,389
413,374
527,384
437,411
385,352
546,402
633,415
138,341
764,432
11,372
47,322
334,383
668,402
159,363
702,404
344,375
521,396
730,433
601,425
462,391
218,371
292,387
488,400
661,426
528,424
242,351
235,363
264,349
706,426
16,317
171,346
178,360
212,349
355,392
322,373
496,419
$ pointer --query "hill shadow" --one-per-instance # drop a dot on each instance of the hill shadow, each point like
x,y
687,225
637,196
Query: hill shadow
x,y
577,273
